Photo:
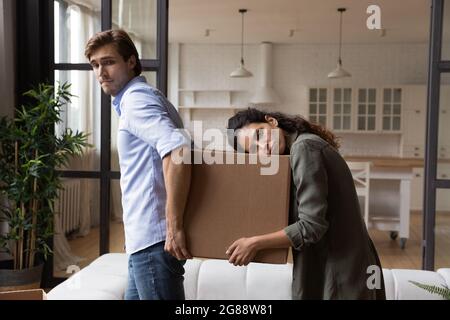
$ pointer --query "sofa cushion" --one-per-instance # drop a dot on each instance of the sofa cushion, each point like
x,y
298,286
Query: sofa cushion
x,y
192,269
389,284
405,290
106,278
445,274
220,280
269,280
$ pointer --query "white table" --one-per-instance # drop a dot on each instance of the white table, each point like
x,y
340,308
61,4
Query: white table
x,y
389,200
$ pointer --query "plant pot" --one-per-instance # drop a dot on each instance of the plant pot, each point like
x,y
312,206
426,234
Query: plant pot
x,y
11,280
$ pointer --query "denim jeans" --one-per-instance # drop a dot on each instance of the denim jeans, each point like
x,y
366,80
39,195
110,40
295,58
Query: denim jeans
x,y
154,274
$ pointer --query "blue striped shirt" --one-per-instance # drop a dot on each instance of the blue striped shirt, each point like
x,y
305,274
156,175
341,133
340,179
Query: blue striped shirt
x,y
147,132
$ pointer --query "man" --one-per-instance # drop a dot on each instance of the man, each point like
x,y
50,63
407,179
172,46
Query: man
x,y
154,188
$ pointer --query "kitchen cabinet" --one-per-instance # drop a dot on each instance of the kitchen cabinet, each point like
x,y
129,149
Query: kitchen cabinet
x,y
318,106
417,189
391,110
356,109
444,124
414,121
413,151
366,110
342,109
442,199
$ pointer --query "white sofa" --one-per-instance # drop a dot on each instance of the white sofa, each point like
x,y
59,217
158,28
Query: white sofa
x,y
106,279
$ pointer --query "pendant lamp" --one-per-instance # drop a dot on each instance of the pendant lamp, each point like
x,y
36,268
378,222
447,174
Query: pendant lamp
x,y
339,72
241,72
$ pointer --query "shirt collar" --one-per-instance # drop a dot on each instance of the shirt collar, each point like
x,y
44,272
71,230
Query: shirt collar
x,y
118,98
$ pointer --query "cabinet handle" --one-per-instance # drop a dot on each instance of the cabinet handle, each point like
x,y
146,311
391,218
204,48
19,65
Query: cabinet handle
x,y
416,148
444,111
416,154
417,175
444,175
417,111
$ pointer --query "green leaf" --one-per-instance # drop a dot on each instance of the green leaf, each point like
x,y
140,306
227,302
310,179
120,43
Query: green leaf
x,y
33,130
443,291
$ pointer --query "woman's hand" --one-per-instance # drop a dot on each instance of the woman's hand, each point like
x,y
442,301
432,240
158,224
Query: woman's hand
x,y
242,251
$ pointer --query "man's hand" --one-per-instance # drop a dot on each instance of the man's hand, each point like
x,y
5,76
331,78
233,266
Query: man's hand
x,y
242,251
177,177
176,244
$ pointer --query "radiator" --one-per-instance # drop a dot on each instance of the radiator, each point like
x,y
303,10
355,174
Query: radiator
x,y
68,205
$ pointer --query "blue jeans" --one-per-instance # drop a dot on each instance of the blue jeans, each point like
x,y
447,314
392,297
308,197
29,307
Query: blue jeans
x,y
154,274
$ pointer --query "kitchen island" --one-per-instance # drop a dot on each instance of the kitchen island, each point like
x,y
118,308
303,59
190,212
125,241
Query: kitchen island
x,y
390,193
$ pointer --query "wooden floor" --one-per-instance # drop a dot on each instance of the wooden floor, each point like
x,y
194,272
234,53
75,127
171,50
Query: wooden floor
x,y
391,255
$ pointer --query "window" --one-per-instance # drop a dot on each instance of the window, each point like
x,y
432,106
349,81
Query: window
x,y
74,23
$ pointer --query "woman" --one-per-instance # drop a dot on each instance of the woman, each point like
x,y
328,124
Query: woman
x,y
332,250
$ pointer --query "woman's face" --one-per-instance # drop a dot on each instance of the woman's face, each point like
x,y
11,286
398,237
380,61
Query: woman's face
x,y
262,137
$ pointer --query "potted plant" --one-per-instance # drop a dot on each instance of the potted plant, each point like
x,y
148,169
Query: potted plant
x,y
30,154
443,291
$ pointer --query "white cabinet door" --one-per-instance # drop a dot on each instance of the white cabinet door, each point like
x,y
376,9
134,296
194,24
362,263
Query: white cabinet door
x,y
342,109
318,106
414,127
366,110
417,185
442,198
391,109
444,118
417,189
414,121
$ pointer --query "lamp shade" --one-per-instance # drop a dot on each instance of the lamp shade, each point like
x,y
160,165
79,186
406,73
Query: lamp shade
x,y
339,72
241,72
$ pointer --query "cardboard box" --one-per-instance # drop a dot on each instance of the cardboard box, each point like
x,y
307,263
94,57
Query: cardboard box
x,y
32,294
230,201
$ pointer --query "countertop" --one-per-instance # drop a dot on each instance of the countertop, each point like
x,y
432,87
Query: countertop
x,y
392,161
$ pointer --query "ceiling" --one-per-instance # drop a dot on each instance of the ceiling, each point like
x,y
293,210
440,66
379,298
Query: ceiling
x,y
312,21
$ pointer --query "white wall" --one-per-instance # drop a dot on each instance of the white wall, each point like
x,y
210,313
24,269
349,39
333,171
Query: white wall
x,y
7,70
295,67
370,65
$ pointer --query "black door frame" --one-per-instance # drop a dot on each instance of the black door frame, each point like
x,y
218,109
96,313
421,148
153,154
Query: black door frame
x,y
437,66
35,64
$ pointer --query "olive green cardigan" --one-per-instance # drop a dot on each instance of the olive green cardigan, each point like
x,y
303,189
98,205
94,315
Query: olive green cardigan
x,y
331,247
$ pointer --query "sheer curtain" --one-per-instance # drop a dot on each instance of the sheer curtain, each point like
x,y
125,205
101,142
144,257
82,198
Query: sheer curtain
x,y
74,25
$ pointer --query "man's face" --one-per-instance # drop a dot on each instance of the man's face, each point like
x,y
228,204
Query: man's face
x,y
111,71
